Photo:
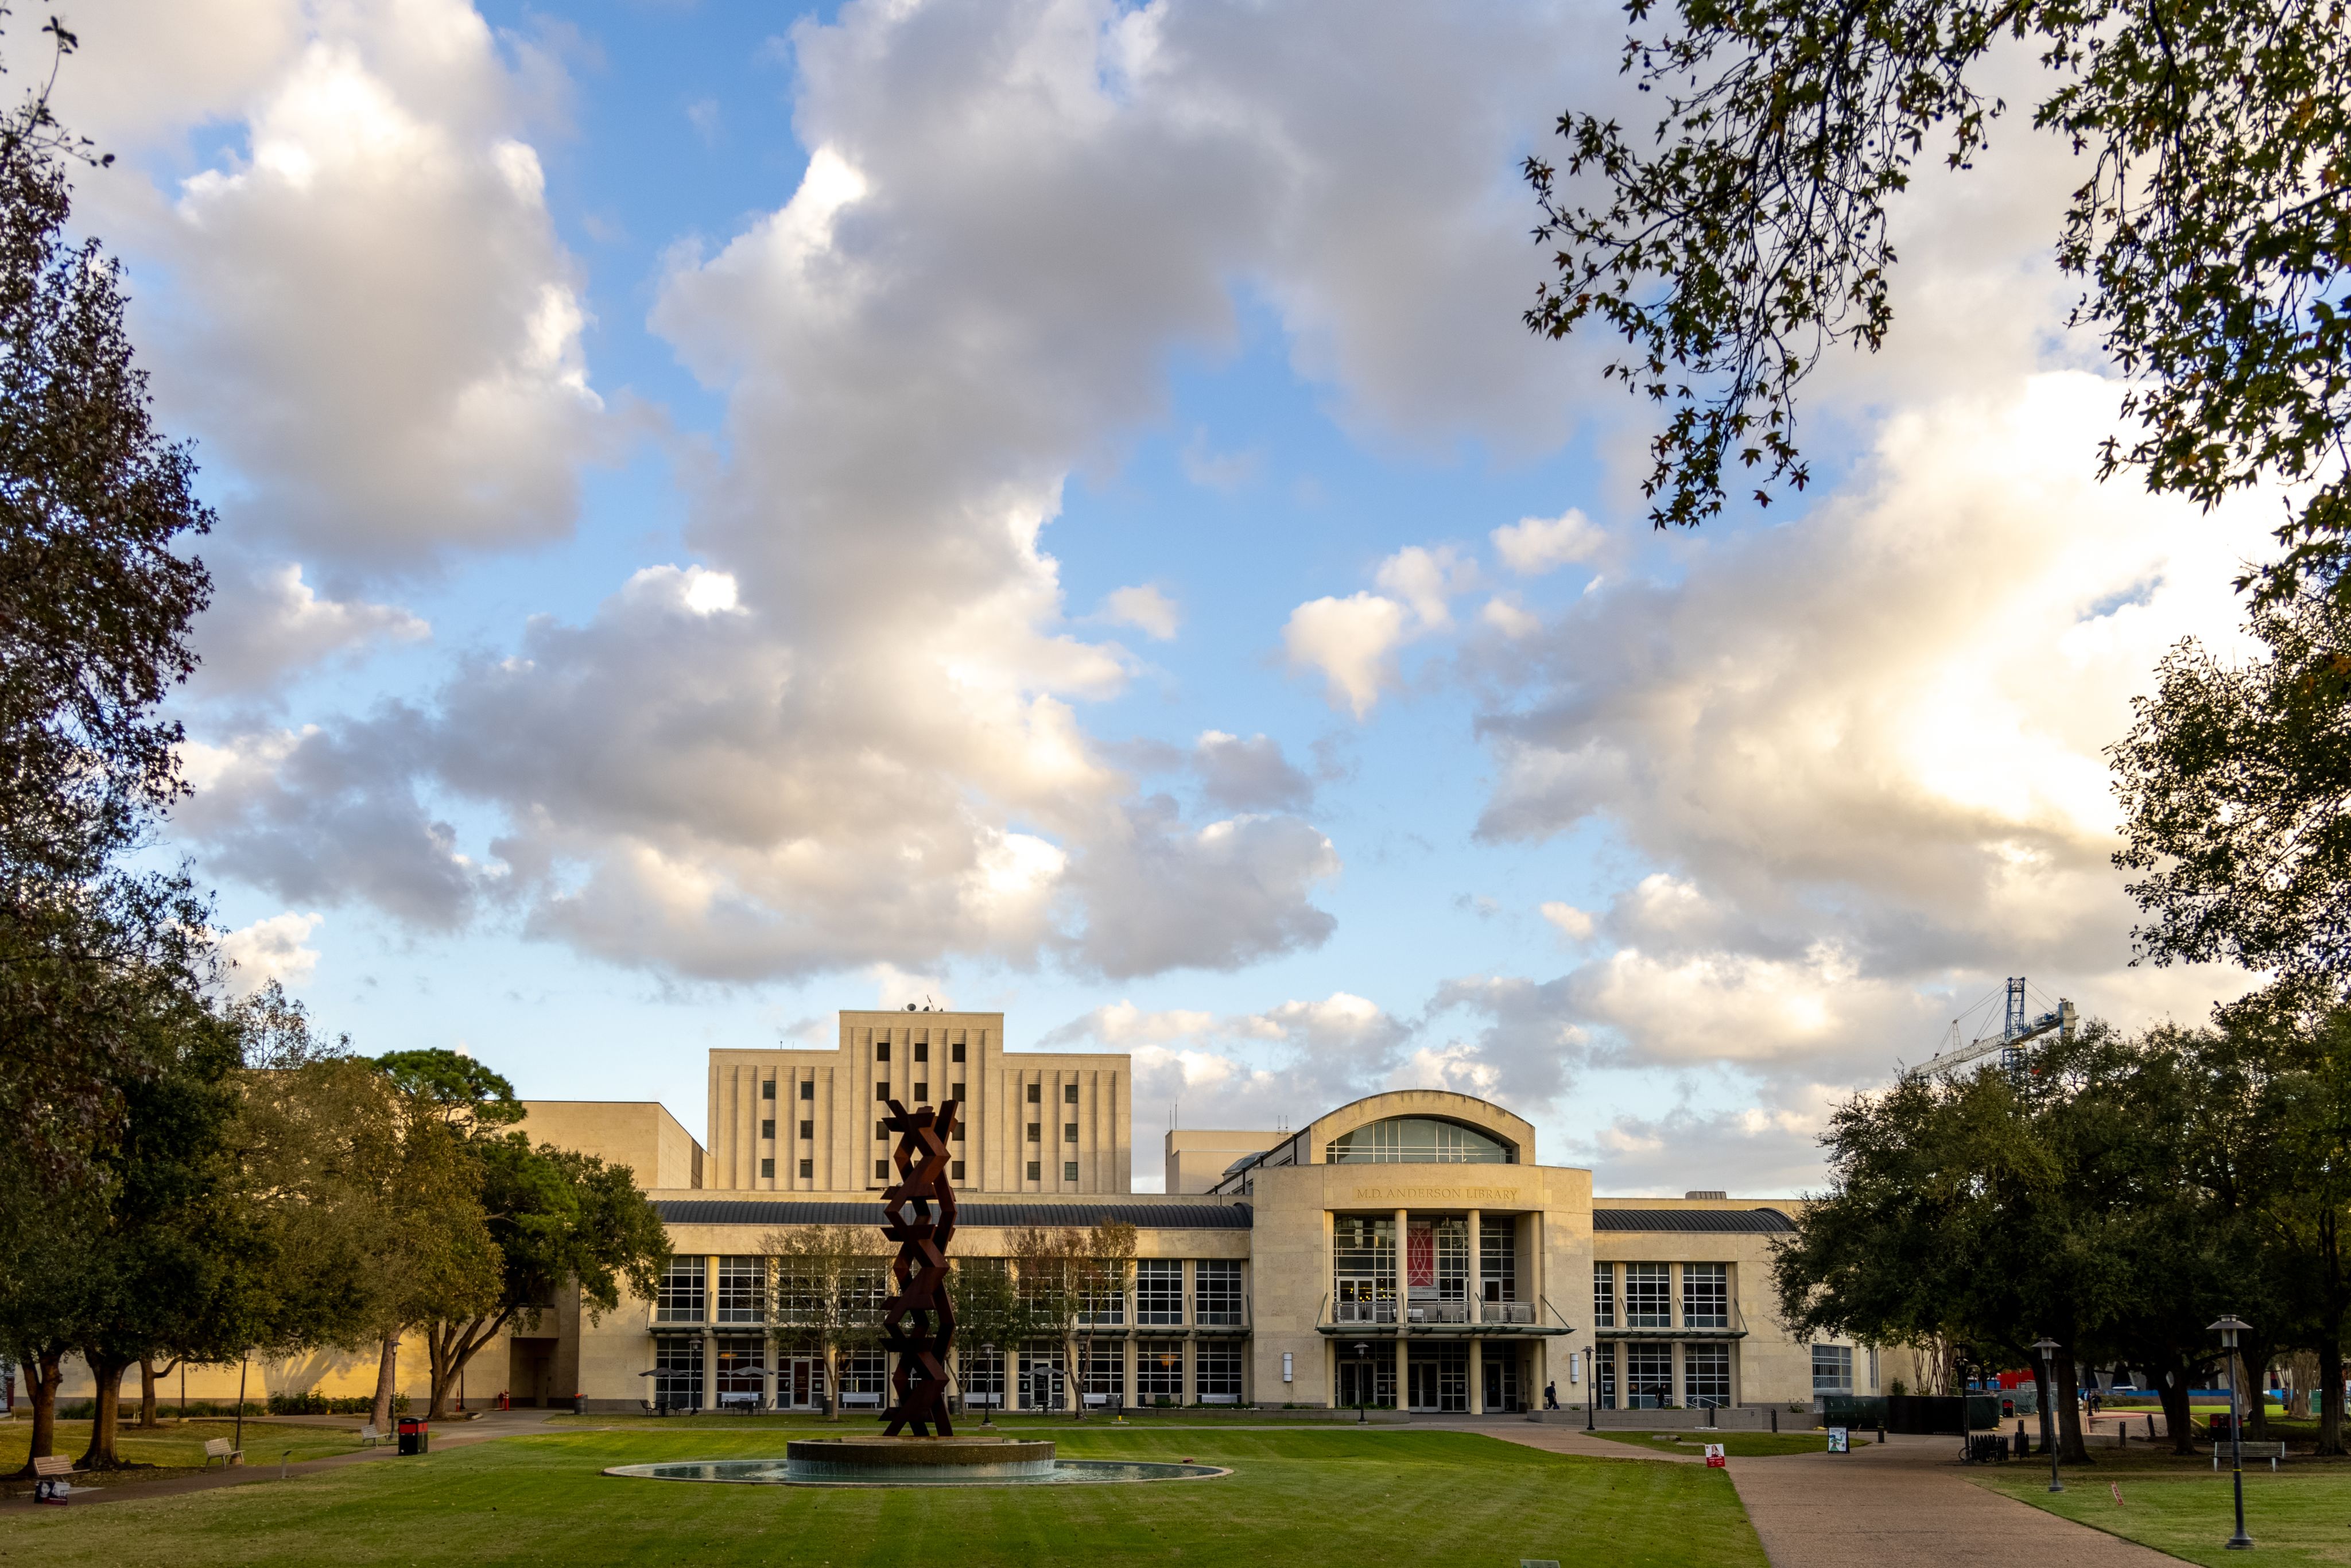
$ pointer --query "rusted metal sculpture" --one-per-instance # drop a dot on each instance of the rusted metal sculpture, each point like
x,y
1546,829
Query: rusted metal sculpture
x,y
917,1321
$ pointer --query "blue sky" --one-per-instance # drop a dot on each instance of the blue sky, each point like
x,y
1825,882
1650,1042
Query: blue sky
x,y
1048,506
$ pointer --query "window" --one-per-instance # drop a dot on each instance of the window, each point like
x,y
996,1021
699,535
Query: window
x,y
981,1376
1036,1094
677,1373
1068,1094
1068,1170
808,1088
1105,1373
1873,1366
767,1167
880,1050
808,1168
1418,1140
956,1136
954,1091
1604,1377
955,1170
1068,1132
742,1363
808,1130
1159,1291
1706,1295
1832,1369
1648,1296
922,1092
882,1131
864,1379
1159,1372
1497,1261
1648,1373
1036,1132
1603,1295
1042,1367
1363,1270
880,1170
882,1090
1706,1375
955,1052
1216,1371
1216,1293
767,1129
680,1298
1035,1168
922,1051
742,1289
767,1089
1104,1305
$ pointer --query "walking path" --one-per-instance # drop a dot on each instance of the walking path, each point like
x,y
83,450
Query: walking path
x,y
1907,1503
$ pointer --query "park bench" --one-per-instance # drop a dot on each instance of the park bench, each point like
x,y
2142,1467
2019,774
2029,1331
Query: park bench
x,y
218,1448
2273,1452
370,1437
49,1484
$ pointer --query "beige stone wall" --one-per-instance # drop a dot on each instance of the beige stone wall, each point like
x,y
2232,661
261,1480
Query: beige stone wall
x,y
640,1134
837,1095
1196,1157
336,1375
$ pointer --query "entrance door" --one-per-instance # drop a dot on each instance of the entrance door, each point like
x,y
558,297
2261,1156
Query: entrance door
x,y
796,1389
1501,1384
1423,1384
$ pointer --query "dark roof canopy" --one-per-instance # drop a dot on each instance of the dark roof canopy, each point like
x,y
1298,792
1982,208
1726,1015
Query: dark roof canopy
x,y
1141,1215
1717,1220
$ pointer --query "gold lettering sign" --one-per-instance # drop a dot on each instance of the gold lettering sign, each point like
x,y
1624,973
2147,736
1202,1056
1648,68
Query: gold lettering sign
x,y
1408,1195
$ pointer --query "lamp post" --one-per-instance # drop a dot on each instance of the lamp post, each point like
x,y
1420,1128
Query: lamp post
x,y
2048,1349
988,1411
2229,1328
1590,1372
1362,1376
1085,1367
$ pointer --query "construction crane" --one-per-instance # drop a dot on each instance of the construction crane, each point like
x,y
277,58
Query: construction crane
x,y
2017,1028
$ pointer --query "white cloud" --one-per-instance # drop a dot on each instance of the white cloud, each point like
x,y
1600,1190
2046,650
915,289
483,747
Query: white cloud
x,y
1533,546
1427,581
1145,609
1211,470
1248,775
1353,640
1509,617
1572,923
266,622
269,949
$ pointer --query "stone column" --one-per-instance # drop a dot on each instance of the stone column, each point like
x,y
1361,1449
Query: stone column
x,y
1477,1375
1477,1284
1402,1304
709,1368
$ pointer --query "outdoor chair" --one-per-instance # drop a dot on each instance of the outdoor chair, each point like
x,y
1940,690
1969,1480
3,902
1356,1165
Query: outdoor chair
x,y
369,1436
218,1448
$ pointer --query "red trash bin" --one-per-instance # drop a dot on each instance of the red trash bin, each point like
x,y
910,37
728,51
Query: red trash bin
x,y
415,1434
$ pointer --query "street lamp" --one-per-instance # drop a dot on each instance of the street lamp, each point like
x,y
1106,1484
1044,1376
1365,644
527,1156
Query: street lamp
x,y
1591,1371
2048,1349
1362,1377
2229,1328
1085,1367
988,1411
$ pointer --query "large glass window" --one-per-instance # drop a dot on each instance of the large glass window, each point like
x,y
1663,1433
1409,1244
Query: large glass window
x,y
1044,1367
1105,1302
1105,1367
981,1374
1363,1270
864,1380
1604,1376
1159,1291
1497,1261
1216,1371
742,1289
1159,1372
1832,1369
1368,1380
1648,1375
1437,1270
1603,1295
1706,1295
1706,1375
1418,1141
1648,1296
742,1367
1216,1293
681,1298
677,1373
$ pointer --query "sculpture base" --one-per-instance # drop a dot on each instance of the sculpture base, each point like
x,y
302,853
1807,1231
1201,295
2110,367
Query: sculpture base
x,y
918,1458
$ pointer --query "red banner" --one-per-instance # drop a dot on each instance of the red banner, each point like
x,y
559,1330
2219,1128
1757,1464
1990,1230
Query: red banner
x,y
1420,1255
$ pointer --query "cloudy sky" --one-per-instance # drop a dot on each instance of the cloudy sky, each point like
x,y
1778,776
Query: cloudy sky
x,y
1049,507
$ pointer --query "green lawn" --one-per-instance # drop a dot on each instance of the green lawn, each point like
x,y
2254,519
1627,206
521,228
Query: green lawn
x,y
1735,1445
2302,1514
1296,1495
182,1445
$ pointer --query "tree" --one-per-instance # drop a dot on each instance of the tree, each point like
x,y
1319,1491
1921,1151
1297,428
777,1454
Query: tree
x,y
1065,1275
559,1221
1753,233
831,1283
989,1311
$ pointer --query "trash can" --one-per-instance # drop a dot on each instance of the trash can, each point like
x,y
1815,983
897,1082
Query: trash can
x,y
414,1433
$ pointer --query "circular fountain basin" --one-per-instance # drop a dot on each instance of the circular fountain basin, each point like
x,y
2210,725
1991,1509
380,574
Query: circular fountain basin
x,y
916,1462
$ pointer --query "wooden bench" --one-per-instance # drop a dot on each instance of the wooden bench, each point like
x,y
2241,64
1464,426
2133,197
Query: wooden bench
x,y
49,1484
218,1448
2272,1452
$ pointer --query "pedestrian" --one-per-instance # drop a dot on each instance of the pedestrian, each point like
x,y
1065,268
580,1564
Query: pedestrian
x,y
1551,1395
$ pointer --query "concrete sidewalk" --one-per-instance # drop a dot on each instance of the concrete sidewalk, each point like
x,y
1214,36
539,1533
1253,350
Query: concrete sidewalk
x,y
1907,1503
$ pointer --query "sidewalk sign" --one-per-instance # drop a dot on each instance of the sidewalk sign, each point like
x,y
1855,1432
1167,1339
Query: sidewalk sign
x,y
1714,1459
1840,1440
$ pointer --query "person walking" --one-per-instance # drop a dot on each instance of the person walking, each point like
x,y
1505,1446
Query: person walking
x,y
1551,1395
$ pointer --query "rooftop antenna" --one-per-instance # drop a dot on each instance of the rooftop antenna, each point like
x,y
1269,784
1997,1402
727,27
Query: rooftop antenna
x,y
926,1003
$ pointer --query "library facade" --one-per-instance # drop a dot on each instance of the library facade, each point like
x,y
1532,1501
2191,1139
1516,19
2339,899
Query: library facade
x,y
1407,1250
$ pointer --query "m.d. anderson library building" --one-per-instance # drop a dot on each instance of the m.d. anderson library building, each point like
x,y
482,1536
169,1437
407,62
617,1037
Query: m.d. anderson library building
x,y
1409,1248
